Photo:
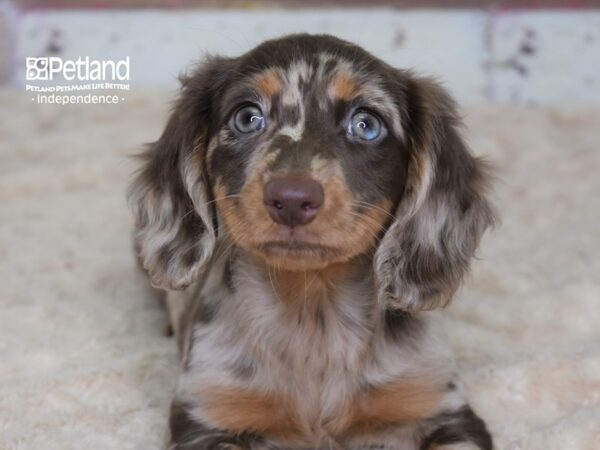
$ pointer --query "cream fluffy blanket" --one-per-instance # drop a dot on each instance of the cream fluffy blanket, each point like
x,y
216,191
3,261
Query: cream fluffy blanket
x,y
83,363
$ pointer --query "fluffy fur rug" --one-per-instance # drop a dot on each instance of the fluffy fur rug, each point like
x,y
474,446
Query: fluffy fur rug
x,y
84,364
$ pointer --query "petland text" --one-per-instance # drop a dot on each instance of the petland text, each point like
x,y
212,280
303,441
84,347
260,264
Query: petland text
x,y
82,69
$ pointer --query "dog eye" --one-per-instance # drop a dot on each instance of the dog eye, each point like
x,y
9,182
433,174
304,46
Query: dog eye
x,y
364,125
249,119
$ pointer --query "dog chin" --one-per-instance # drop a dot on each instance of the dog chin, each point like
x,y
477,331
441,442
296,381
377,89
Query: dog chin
x,y
297,255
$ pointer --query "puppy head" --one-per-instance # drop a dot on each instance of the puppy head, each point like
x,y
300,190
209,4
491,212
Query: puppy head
x,y
306,166
308,151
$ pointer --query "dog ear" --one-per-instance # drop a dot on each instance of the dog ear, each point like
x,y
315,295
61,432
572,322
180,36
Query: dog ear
x,y
425,253
175,229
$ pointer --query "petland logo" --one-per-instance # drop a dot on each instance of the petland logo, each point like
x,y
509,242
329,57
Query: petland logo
x,y
82,74
46,68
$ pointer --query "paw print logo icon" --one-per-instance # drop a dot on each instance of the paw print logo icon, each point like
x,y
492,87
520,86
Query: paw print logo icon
x,y
36,69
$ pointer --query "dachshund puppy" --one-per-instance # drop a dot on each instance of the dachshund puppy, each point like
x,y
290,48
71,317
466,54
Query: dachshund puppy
x,y
305,207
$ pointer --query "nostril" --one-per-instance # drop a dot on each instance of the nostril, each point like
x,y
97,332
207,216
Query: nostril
x,y
306,205
277,204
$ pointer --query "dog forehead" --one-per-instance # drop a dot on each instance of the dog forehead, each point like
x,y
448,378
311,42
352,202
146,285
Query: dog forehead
x,y
323,75
304,79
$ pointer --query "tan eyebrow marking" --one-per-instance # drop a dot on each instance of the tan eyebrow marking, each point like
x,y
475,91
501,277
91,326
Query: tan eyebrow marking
x,y
268,83
344,87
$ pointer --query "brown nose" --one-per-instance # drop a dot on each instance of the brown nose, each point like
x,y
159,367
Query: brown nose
x,y
293,201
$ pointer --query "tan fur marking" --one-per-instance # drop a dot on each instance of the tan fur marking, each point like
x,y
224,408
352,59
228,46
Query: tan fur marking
x,y
272,416
294,286
235,217
241,410
344,87
369,225
419,174
268,83
399,402
337,226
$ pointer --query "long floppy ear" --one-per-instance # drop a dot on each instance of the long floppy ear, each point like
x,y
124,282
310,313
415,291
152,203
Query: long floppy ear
x,y
170,196
427,250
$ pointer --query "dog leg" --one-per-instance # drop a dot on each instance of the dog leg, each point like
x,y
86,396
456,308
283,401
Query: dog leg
x,y
458,429
186,433
454,426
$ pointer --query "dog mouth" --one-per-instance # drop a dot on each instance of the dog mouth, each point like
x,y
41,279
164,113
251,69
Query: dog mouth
x,y
293,247
297,254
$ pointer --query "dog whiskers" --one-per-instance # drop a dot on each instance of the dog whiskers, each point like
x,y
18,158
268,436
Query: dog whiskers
x,y
210,202
372,206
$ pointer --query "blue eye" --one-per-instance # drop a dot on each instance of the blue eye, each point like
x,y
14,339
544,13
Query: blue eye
x,y
364,125
249,119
